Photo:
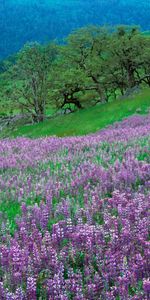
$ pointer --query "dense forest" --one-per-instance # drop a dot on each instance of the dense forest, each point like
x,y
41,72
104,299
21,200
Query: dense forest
x,y
95,65
24,21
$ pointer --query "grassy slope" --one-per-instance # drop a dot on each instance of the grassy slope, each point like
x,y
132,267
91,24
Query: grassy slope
x,y
85,121
88,120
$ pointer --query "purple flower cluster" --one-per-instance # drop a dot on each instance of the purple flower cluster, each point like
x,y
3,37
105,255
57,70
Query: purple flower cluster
x,y
83,228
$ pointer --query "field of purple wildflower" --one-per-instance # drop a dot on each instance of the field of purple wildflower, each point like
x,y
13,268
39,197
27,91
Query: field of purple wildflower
x,y
81,225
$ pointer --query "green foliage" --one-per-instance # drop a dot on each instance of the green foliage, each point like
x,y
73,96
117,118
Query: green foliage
x,y
130,51
29,79
95,65
68,85
98,218
88,120
9,211
103,61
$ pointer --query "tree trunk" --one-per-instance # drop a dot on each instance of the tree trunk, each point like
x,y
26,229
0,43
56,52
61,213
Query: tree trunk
x,y
77,103
131,77
71,99
39,116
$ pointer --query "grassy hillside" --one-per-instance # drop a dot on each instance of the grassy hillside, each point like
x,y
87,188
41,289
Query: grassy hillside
x,y
88,120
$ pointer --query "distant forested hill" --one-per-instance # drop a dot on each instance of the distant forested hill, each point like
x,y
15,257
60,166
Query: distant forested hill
x,y
43,20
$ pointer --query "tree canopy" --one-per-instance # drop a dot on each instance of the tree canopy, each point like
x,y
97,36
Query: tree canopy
x,y
95,64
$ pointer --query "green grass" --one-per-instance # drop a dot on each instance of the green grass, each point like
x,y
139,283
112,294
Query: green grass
x,y
88,120
9,211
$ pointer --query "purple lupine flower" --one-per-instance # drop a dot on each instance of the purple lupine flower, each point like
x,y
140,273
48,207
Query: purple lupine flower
x,y
146,286
31,288
94,190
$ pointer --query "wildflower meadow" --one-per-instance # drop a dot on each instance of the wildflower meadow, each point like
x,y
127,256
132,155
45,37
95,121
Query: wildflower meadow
x,y
74,215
